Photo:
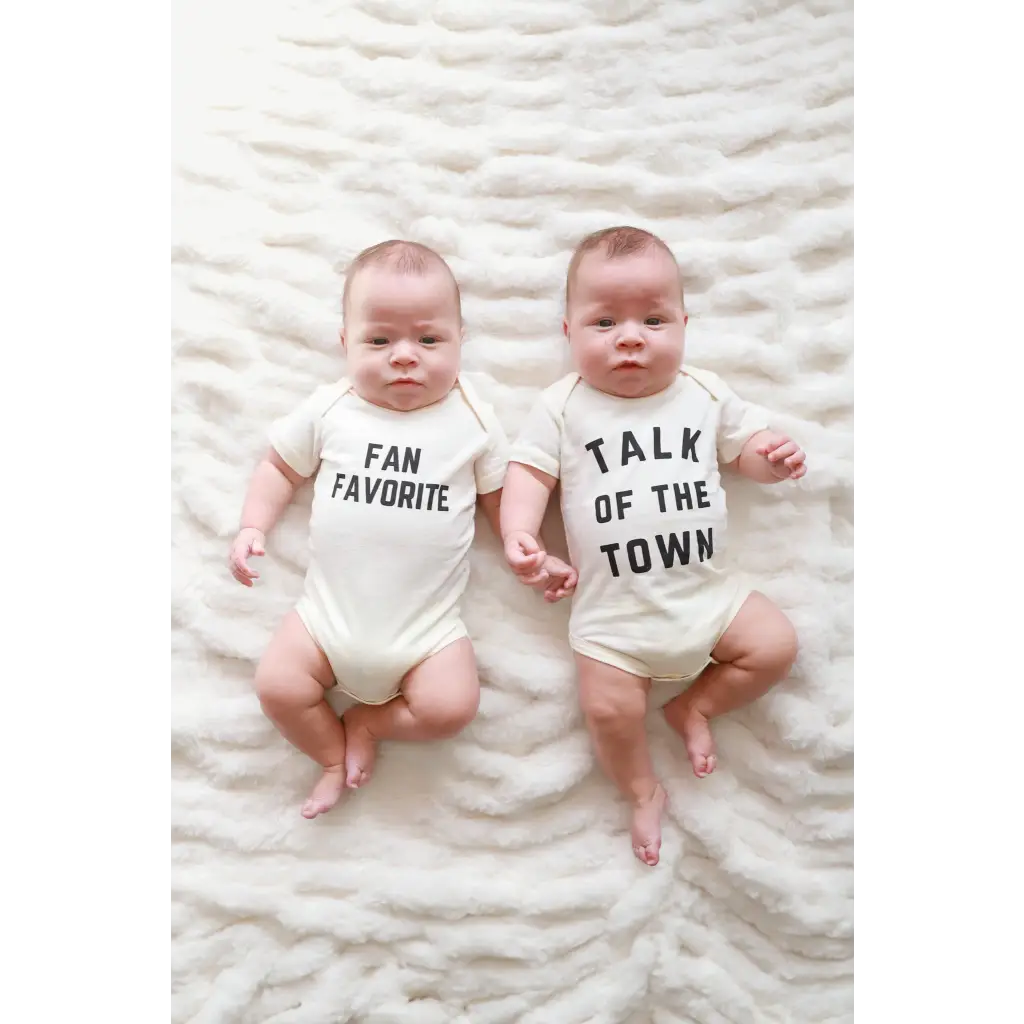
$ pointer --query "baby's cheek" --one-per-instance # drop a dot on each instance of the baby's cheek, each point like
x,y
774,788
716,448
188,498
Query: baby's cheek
x,y
593,357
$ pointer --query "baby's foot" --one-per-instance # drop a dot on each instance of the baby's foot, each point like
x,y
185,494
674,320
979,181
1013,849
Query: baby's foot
x,y
326,792
696,733
646,830
360,750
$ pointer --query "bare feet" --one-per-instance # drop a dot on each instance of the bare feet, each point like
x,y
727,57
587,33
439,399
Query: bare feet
x,y
646,830
326,792
696,733
360,749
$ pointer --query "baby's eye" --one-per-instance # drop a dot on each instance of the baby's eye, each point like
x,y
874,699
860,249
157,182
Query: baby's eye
x,y
378,341
428,340
654,321
605,321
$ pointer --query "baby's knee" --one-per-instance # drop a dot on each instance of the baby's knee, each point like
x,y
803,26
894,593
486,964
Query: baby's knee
x,y
609,711
449,715
280,692
779,651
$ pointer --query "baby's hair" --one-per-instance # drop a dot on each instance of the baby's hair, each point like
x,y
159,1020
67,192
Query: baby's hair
x,y
617,243
404,258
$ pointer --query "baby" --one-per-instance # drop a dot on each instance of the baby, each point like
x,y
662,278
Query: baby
x,y
404,451
638,440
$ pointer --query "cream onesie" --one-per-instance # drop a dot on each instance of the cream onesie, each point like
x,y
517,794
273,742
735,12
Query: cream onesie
x,y
394,511
645,515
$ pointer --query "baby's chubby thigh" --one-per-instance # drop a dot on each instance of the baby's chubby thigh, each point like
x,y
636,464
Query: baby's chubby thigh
x,y
293,672
443,690
759,636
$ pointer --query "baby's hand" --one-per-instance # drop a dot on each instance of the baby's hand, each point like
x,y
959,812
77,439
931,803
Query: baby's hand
x,y
561,581
526,558
249,541
785,457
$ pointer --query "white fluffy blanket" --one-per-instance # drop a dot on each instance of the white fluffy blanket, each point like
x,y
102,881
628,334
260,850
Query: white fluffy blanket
x,y
490,880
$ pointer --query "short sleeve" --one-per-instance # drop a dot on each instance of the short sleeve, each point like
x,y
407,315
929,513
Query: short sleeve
x,y
298,437
492,462
738,420
539,443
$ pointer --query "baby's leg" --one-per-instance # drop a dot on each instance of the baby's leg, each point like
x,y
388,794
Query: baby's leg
x,y
290,681
755,652
439,698
614,704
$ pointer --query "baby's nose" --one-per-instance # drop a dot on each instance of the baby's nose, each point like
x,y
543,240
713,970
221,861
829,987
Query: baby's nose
x,y
629,338
403,354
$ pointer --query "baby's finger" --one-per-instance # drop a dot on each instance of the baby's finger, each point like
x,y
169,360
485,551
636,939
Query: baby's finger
x,y
527,564
770,444
800,471
524,561
257,548
527,544
558,593
568,576
243,567
535,578
794,460
562,586
782,452
244,580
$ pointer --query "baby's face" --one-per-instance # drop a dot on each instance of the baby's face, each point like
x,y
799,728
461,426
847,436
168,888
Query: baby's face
x,y
403,337
626,324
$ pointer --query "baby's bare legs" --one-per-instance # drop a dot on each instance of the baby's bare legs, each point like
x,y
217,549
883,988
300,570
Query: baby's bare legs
x,y
290,681
755,652
439,698
614,704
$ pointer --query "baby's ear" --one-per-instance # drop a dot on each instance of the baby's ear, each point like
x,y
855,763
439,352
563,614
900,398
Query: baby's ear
x,y
341,337
565,327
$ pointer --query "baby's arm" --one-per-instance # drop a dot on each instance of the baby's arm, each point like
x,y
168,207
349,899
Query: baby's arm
x,y
293,456
532,476
271,490
524,501
490,504
557,578
768,457
746,443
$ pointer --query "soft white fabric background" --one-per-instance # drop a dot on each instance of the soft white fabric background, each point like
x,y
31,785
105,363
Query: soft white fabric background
x,y
491,880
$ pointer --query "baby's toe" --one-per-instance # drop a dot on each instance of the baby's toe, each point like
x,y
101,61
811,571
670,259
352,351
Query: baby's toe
x,y
647,853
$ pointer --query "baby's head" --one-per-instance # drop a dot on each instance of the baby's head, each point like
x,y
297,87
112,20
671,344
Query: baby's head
x,y
402,325
624,312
